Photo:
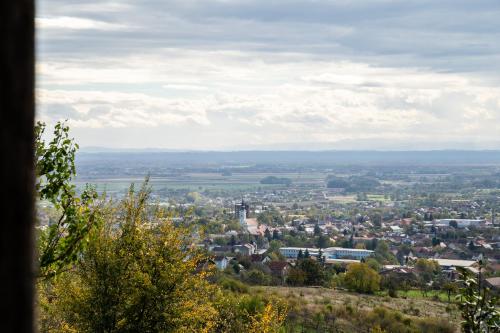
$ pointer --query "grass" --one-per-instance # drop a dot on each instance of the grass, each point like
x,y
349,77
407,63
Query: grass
x,y
343,198
377,197
417,294
412,304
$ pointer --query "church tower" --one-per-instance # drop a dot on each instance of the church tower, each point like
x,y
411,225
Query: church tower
x,y
243,213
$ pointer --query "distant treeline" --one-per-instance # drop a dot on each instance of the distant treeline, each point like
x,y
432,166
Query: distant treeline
x,y
353,183
276,180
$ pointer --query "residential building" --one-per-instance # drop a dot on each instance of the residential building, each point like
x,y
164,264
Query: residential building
x,y
328,253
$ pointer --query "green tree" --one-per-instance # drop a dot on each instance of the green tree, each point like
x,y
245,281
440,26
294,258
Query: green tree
x,y
313,271
361,278
317,230
140,273
427,269
373,264
276,234
296,277
323,241
377,220
450,288
383,255
60,242
300,255
258,277
267,234
479,308
140,277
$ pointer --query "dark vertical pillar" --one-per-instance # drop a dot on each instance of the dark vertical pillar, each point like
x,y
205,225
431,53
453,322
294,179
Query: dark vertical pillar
x,y
16,165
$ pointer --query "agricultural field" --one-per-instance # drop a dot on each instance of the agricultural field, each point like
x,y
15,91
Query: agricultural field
x,y
203,181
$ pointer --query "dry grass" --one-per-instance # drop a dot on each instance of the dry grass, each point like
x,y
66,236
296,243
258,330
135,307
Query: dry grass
x,y
313,298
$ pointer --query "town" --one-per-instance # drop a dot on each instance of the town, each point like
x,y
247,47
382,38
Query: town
x,y
386,229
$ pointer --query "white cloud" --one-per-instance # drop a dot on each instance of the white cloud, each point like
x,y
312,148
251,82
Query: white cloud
x,y
215,74
75,23
278,98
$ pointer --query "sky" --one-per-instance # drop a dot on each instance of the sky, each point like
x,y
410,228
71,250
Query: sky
x,y
271,74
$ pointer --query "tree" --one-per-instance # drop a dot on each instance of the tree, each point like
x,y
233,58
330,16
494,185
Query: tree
x,y
193,197
321,258
427,269
373,264
317,230
313,271
296,277
306,254
336,182
276,234
300,255
383,255
454,224
276,180
267,234
323,241
361,278
258,277
142,277
478,306
140,273
232,240
450,288
61,242
377,220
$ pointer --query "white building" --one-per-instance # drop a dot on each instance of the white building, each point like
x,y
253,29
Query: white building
x,y
328,253
461,223
243,215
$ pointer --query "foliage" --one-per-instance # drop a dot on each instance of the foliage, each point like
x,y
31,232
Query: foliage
x,y
233,285
140,273
60,242
258,277
313,272
479,308
336,182
383,255
346,318
271,218
276,180
353,184
193,197
427,269
250,313
296,277
361,278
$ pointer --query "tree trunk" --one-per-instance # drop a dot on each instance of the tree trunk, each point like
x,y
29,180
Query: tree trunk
x,y
16,165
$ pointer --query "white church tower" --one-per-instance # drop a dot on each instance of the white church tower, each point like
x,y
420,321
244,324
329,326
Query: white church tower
x,y
243,214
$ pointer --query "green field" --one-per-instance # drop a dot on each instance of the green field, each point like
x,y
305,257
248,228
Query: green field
x,y
377,197
203,181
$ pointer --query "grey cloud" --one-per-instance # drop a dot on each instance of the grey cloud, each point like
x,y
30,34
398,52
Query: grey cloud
x,y
445,35
271,70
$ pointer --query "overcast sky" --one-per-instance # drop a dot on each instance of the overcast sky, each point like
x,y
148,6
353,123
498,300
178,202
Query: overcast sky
x,y
272,74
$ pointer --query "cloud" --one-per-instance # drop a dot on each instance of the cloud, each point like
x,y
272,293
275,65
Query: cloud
x,y
206,74
75,23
